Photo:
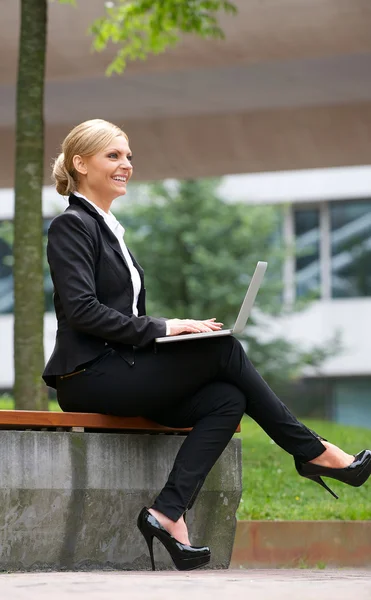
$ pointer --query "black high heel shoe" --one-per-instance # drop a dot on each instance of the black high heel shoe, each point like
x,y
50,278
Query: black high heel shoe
x,y
356,474
185,558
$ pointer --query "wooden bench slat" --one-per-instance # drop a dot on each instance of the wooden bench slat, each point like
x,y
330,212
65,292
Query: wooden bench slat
x,y
70,419
31,418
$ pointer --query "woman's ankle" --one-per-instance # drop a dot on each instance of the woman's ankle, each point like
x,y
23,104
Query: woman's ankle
x,y
178,529
333,457
161,518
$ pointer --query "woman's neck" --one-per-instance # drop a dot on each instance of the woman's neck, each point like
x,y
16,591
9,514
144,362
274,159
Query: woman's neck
x,y
90,195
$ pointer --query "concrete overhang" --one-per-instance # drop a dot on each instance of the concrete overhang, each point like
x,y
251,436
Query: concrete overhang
x,y
289,88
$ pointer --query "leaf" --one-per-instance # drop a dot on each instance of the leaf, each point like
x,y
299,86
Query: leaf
x,y
73,2
144,27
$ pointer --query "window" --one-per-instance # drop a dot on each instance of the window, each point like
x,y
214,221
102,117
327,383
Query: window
x,y
333,249
352,404
350,249
6,271
307,226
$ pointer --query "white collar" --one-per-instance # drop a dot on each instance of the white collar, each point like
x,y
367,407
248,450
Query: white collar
x,y
108,217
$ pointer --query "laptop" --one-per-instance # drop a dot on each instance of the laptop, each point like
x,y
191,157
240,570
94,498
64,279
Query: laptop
x,y
243,315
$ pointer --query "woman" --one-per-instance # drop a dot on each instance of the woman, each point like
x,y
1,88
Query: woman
x,y
106,360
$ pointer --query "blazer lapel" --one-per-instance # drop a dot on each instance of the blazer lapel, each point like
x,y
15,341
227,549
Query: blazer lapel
x,y
113,241
111,238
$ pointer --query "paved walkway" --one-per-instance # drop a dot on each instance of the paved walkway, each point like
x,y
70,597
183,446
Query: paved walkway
x,y
274,584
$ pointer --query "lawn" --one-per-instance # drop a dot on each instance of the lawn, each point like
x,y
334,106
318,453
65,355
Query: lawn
x,y
7,403
272,490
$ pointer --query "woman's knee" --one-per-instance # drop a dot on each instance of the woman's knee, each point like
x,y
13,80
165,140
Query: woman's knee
x,y
231,347
223,349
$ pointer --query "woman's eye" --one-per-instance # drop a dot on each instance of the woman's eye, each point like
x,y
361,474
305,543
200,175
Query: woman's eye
x,y
114,154
130,157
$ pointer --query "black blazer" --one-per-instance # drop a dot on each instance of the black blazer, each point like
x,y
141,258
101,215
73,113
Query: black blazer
x,y
93,293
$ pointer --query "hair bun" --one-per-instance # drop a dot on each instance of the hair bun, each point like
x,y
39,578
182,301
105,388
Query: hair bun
x,y
64,182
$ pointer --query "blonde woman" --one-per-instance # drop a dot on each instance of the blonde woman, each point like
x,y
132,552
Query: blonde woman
x,y
105,358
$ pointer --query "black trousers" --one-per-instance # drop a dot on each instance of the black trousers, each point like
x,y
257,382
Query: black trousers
x,y
206,384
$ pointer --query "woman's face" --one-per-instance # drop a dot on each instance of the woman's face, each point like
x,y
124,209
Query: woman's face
x,y
107,172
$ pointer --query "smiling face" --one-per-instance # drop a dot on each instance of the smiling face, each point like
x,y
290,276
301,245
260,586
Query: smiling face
x,y
104,176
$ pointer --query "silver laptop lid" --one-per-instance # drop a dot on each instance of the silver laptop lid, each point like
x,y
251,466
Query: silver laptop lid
x,y
249,300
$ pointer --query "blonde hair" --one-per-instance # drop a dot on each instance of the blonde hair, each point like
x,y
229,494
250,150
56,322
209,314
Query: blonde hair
x,y
85,139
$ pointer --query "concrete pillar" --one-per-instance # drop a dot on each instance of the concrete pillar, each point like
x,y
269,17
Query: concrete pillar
x,y
70,500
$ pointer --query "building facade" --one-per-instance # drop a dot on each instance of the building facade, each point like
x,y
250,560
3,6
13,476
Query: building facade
x,y
328,222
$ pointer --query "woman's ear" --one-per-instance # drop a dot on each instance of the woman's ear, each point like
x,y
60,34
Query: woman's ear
x,y
79,165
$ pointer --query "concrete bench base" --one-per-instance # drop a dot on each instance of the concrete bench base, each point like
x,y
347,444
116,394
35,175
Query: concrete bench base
x,y
70,500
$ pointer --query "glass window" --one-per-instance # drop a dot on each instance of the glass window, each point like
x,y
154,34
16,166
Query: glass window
x,y
6,270
307,252
352,401
350,248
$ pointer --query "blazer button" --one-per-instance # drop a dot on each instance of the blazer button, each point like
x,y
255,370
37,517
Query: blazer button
x,y
106,343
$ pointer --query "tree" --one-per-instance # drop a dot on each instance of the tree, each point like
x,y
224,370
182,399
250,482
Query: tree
x,y
199,252
140,27
29,390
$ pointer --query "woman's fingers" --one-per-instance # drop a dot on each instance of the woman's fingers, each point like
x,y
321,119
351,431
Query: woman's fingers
x,y
213,320
208,325
203,326
213,323
179,326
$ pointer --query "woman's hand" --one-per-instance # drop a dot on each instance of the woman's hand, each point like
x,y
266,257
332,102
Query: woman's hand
x,y
178,326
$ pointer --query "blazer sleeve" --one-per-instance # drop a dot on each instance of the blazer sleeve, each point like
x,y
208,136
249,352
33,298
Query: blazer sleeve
x,y
71,255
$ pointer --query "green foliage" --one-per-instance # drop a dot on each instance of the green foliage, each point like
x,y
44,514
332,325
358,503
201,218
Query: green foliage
x,y
7,234
144,27
73,2
280,361
199,253
6,402
273,490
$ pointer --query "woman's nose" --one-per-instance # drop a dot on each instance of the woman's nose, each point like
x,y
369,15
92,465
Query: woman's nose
x,y
126,164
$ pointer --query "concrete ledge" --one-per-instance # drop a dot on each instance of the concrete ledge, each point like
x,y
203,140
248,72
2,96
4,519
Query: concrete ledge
x,y
70,500
302,544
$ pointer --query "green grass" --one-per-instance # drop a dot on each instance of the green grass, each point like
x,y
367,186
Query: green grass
x,y
272,489
7,403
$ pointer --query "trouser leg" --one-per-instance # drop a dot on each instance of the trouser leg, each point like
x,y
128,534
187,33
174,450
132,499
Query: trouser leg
x,y
266,408
212,431
215,410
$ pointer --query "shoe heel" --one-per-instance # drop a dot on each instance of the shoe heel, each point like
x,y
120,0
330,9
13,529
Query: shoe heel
x,y
318,479
149,540
183,556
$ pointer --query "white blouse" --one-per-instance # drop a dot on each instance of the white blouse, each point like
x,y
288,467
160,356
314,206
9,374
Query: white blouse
x,y
119,232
